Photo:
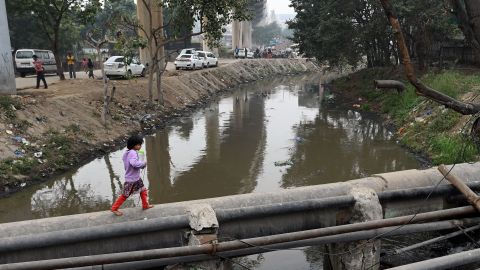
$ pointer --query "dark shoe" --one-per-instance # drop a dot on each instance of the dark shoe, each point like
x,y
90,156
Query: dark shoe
x,y
46,87
36,87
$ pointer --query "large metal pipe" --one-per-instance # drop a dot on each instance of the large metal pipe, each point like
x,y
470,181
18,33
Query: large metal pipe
x,y
258,241
62,237
347,237
224,215
445,262
411,193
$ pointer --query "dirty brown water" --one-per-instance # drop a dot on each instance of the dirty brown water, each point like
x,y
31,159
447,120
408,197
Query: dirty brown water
x,y
264,136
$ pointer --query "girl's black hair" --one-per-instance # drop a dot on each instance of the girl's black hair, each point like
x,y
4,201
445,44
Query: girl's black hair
x,y
134,140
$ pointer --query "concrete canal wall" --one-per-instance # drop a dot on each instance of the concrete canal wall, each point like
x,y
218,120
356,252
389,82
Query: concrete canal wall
x,y
172,222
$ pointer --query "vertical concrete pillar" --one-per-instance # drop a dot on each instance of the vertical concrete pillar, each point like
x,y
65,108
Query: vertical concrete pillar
x,y
237,34
142,15
148,23
7,74
204,224
247,34
362,254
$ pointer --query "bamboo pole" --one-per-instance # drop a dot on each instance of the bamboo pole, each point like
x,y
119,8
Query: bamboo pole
x,y
472,197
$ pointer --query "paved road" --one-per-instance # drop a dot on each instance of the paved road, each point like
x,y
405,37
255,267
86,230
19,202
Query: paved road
x,y
31,81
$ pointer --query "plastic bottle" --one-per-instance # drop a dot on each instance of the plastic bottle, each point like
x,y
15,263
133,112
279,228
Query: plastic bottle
x,y
141,155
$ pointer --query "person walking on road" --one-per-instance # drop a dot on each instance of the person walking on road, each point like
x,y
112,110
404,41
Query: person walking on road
x,y
71,65
133,183
85,65
40,71
90,69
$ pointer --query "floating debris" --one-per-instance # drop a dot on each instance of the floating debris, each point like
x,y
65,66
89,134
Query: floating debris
x,y
283,163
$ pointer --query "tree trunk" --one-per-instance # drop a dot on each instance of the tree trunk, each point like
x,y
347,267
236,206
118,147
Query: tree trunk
x,y
159,85
58,59
468,16
161,59
473,10
151,73
105,97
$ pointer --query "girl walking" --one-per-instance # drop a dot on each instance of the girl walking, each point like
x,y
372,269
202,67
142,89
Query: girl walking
x,y
133,182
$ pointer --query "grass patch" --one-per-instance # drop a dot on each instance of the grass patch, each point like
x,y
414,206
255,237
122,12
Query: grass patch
x,y
399,106
8,105
452,149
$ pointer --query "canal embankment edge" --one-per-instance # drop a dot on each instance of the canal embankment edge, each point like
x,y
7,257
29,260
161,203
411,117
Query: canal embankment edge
x,y
44,132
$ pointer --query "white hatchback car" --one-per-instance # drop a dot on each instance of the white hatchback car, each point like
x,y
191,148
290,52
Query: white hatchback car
x,y
115,66
209,59
188,61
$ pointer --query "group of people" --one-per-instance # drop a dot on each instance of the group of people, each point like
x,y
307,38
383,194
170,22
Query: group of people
x,y
87,66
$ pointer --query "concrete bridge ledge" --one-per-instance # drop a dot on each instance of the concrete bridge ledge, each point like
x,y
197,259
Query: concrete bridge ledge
x,y
381,182
429,177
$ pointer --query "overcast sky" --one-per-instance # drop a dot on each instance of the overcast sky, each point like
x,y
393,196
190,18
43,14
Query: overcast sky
x,y
280,6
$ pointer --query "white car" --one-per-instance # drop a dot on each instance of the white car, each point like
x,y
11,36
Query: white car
x,y
241,53
24,61
209,59
188,51
188,61
115,66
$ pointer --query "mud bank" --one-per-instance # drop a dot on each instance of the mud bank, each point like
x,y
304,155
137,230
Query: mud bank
x,y
45,132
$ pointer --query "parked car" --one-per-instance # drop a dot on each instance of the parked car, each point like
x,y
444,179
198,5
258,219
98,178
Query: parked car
x,y
24,61
241,53
208,58
115,66
188,51
188,61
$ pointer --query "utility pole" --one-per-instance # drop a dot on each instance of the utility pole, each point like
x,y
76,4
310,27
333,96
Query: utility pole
x,y
7,74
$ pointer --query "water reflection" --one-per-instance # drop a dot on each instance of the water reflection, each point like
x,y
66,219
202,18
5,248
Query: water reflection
x,y
263,137
266,136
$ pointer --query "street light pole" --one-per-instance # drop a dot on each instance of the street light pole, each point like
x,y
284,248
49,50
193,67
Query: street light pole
x,y
7,73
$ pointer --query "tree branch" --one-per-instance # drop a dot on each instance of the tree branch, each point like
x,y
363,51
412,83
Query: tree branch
x,y
422,89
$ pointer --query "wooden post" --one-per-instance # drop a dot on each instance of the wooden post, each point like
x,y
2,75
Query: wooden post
x,y
472,197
